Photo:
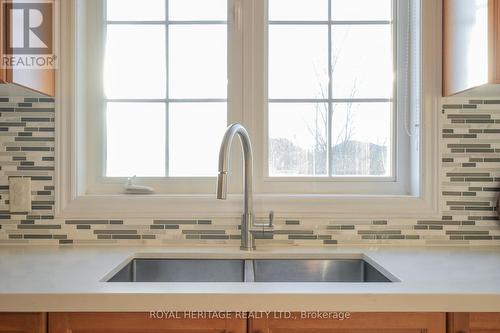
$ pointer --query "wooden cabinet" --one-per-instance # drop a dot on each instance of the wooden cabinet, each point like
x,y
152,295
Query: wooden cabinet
x,y
23,322
141,322
232,323
474,322
471,46
27,45
357,322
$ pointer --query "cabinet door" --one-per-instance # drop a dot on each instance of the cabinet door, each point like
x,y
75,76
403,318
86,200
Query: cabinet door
x,y
139,323
467,26
23,322
494,37
474,322
27,30
356,323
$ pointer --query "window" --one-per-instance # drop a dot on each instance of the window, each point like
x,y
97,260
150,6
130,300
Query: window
x,y
331,65
330,76
165,87
330,91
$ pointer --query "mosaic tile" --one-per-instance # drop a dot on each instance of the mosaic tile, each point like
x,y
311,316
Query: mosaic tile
x,y
470,160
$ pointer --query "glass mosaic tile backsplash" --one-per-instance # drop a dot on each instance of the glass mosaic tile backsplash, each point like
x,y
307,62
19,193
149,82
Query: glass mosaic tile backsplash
x,y
470,183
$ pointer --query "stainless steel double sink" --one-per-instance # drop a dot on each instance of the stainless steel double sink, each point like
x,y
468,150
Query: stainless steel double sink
x,y
250,271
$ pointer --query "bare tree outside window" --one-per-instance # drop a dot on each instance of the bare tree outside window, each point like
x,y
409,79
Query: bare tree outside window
x,y
359,141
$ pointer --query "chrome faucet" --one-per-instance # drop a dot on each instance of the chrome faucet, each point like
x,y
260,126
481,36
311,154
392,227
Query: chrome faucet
x,y
248,225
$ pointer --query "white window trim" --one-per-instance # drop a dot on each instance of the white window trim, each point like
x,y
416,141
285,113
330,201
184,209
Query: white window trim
x,y
73,202
94,161
399,183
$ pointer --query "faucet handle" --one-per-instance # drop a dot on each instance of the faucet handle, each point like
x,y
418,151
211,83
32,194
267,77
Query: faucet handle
x,y
269,224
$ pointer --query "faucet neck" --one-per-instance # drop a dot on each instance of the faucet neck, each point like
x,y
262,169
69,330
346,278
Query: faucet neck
x,y
247,241
224,157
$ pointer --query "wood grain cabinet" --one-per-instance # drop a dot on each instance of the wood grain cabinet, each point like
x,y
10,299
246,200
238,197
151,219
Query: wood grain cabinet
x,y
23,322
140,322
283,323
27,46
471,46
357,322
474,323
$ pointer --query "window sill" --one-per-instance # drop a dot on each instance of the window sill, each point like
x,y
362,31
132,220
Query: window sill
x,y
286,206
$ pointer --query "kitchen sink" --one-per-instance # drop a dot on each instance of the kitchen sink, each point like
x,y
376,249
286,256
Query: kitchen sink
x,y
334,270
249,271
174,270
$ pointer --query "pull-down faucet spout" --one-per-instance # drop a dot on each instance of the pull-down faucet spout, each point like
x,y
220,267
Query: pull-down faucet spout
x,y
247,222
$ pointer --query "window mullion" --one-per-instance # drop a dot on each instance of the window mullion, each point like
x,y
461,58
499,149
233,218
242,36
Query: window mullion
x,y
330,94
103,165
167,103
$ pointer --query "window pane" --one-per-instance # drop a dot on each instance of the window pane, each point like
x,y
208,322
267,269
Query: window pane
x,y
196,131
135,140
297,139
134,10
198,61
362,61
298,61
135,62
353,10
298,10
361,139
197,10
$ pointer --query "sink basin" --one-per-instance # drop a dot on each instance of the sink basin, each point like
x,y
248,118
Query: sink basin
x,y
334,270
172,270
259,270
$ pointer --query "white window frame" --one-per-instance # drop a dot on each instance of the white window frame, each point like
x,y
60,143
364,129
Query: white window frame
x,y
95,160
285,196
398,183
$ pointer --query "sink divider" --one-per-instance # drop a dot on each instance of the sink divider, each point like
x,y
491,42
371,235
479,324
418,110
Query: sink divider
x,y
248,271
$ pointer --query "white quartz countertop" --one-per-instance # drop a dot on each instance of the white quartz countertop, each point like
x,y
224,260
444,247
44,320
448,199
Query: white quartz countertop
x,y
37,278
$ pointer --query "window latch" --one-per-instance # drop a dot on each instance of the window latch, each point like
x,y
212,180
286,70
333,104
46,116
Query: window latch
x,y
131,188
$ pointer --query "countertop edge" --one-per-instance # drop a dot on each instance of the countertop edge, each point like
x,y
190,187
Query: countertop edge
x,y
248,303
